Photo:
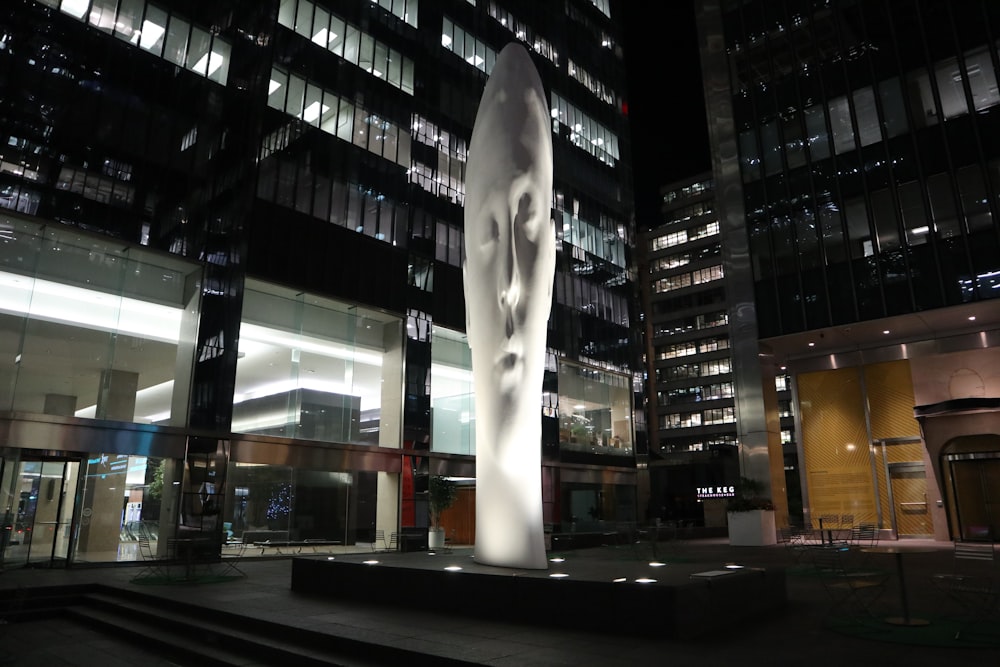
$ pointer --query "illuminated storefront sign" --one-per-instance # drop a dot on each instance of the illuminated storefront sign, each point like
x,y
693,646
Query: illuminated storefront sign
x,y
716,492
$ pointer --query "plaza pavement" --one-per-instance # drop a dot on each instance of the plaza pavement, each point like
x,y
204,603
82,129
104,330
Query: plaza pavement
x,y
799,636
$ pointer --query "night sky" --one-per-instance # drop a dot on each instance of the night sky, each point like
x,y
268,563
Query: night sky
x,y
666,105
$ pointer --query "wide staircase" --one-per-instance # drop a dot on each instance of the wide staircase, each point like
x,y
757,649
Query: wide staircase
x,y
194,635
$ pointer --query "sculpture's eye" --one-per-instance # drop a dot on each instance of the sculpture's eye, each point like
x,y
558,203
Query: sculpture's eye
x,y
490,231
527,217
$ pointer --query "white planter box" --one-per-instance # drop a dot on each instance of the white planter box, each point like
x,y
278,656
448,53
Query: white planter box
x,y
751,529
435,538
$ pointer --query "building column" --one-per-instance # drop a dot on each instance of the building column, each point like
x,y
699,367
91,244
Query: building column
x,y
116,396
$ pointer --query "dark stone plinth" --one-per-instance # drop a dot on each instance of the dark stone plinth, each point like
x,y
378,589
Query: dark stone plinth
x,y
603,596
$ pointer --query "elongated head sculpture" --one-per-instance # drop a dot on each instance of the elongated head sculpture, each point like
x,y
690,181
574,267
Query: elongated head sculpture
x,y
509,265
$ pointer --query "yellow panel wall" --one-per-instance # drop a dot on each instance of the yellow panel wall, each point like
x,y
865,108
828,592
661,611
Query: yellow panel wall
x,y
890,400
835,445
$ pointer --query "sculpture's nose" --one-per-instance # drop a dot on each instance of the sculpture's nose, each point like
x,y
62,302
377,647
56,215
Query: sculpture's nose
x,y
510,289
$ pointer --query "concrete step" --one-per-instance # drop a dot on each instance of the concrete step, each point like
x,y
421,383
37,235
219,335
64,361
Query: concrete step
x,y
191,630
196,631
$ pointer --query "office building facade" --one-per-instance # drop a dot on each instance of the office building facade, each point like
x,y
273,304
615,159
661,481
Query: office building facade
x,y
856,150
694,465
231,245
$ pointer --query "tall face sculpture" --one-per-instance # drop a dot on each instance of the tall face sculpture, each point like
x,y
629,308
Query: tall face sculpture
x,y
510,260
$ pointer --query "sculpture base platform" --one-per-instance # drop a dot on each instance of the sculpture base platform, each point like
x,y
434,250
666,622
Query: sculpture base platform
x,y
607,593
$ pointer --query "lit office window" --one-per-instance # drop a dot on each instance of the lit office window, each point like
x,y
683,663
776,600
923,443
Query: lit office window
x,y
340,117
348,42
720,416
591,83
523,32
590,237
447,180
467,47
584,131
603,5
403,9
595,409
151,29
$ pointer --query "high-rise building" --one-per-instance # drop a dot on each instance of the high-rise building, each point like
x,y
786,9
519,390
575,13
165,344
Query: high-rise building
x,y
694,463
231,240
856,159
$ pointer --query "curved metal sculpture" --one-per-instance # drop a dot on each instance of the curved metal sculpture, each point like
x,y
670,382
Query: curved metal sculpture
x,y
508,271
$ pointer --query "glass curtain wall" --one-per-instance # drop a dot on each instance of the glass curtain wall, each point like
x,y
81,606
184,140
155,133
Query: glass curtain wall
x,y
93,330
453,408
122,501
317,369
279,503
594,411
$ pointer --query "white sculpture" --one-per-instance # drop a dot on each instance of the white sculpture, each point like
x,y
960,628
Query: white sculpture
x,y
509,265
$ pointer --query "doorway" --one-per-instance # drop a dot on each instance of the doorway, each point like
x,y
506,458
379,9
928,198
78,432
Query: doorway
x,y
908,496
975,494
38,517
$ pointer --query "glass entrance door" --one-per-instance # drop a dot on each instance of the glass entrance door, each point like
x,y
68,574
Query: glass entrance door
x,y
41,512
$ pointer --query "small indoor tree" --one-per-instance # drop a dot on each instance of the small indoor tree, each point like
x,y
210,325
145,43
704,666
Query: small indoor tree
x,y
441,494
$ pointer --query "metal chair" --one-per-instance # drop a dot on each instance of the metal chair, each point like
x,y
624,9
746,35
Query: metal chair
x,y
378,539
393,542
852,588
231,560
864,535
153,565
972,585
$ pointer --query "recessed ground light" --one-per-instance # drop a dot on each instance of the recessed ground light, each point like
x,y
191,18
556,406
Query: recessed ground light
x,y
734,566
645,580
812,344
557,559
558,575
885,331
619,580
453,568
972,318
371,562
330,558
656,563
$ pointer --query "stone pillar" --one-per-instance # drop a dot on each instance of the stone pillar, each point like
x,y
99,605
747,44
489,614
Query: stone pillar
x,y
116,395
391,410
60,404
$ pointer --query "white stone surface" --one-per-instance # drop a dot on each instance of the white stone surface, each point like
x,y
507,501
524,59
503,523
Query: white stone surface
x,y
508,271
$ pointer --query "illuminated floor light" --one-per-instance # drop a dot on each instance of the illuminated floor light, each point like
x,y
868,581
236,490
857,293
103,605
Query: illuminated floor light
x,y
656,563
371,562
645,580
557,559
733,566
558,575
453,568
619,580
330,558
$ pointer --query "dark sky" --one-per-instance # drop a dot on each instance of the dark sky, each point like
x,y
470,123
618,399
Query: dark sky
x,y
666,105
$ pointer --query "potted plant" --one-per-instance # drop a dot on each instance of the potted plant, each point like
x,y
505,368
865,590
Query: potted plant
x,y
750,515
441,494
